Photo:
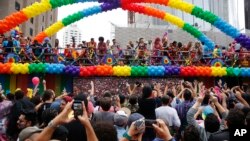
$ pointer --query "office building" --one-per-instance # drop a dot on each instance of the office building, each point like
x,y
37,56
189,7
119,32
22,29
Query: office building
x,y
70,32
229,10
34,25
247,14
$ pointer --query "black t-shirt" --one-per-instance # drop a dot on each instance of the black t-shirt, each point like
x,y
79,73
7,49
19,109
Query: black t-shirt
x,y
36,49
147,109
61,133
43,107
76,131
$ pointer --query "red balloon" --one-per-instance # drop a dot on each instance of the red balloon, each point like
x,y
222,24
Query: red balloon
x,y
35,80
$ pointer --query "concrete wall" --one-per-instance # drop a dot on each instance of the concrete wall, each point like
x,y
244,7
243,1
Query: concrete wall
x,y
125,34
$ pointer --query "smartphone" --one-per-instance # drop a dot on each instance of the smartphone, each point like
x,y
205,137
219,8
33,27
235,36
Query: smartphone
x,y
77,108
140,125
149,123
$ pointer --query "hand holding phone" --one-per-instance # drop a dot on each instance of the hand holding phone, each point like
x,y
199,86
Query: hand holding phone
x,y
77,108
149,123
140,125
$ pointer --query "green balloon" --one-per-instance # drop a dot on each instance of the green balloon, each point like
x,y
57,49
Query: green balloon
x,y
134,71
66,21
205,15
53,3
230,71
31,68
197,11
190,29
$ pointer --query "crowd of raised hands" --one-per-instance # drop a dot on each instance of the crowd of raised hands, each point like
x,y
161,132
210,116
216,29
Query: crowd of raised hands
x,y
181,110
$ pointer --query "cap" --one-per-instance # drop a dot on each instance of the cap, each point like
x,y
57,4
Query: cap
x,y
133,117
67,99
27,132
120,118
126,110
207,110
46,39
122,113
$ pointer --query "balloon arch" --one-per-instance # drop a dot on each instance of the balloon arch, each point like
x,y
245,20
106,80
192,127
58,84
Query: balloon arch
x,y
38,8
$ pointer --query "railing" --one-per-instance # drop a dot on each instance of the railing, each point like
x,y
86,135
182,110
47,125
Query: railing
x,y
86,56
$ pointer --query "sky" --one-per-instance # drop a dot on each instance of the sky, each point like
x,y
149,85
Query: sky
x,y
96,25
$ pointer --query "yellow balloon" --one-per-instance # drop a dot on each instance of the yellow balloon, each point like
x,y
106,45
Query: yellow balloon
x,y
29,93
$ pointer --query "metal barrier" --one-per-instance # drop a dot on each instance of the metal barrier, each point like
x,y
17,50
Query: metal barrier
x,y
86,56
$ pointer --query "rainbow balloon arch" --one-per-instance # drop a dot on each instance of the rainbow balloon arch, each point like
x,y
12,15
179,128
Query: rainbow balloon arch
x,y
123,71
12,70
38,8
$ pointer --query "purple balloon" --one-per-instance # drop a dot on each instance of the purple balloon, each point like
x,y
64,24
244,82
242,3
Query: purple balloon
x,y
176,70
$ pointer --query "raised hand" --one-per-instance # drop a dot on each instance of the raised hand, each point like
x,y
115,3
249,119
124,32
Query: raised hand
x,y
162,130
63,117
84,117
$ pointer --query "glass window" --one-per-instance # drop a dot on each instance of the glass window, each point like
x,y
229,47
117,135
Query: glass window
x,y
17,6
32,20
31,32
43,18
247,14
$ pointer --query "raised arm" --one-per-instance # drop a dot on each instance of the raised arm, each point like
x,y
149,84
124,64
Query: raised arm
x,y
62,118
129,89
91,136
195,86
241,99
158,89
192,111
44,85
92,90
166,89
218,105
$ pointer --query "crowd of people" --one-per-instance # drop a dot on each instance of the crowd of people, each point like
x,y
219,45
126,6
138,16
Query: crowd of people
x,y
187,111
150,53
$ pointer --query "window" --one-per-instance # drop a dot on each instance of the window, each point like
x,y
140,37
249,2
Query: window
x,y
50,17
43,18
247,10
42,28
17,6
31,32
32,20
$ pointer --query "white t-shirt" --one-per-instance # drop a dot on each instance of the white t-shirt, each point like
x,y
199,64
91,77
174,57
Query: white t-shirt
x,y
168,114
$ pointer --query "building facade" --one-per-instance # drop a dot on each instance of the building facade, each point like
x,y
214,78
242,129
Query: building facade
x,y
70,32
34,25
247,14
228,10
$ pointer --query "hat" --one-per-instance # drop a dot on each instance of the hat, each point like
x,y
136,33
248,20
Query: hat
x,y
120,118
206,111
126,110
67,98
46,39
133,117
122,113
27,132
